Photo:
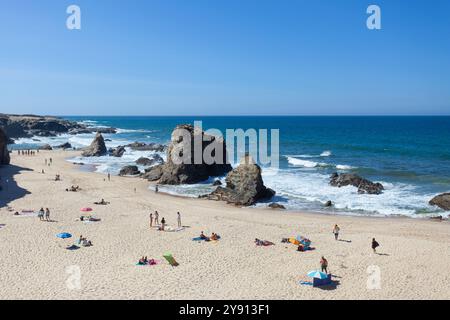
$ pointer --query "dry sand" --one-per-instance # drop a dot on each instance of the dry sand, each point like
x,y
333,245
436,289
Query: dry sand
x,y
34,263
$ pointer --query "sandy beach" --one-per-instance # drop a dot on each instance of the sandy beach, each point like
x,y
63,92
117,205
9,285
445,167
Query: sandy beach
x,y
34,264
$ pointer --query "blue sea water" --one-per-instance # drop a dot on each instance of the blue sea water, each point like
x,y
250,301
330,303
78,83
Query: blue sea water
x,y
409,155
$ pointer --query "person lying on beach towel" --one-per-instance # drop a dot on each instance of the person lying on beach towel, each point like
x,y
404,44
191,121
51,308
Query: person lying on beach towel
x,y
102,203
263,243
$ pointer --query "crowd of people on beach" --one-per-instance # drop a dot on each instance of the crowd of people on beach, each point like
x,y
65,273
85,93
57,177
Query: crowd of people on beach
x,y
27,152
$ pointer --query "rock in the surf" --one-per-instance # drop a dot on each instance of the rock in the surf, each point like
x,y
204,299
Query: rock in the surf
x,y
275,205
45,147
442,201
129,171
244,185
363,185
97,147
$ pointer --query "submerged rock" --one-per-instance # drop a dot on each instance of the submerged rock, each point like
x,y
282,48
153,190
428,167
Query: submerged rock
x,y
155,159
117,152
217,183
442,201
244,185
129,171
363,185
97,147
154,173
328,204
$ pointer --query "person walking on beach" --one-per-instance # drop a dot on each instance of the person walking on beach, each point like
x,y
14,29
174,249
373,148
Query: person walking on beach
x,y
156,189
41,214
163,223
51,161
156,218
324,265
151,220
179,219
375,244
109,176
336,230
47,214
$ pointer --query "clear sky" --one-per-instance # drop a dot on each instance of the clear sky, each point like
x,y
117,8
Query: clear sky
x,y
224,57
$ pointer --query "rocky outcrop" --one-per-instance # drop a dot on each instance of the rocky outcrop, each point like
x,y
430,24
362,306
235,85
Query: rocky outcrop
x,y
442,201
117,152
153,160
181,168
129,171
328,204
154,173
276,206
363,185
27,126
139,146
244,186
4,153
97,147
217,183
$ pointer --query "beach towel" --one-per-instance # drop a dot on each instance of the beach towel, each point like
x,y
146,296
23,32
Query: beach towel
x,y
170,259
198,239
171,229
151,262
306,283
264,243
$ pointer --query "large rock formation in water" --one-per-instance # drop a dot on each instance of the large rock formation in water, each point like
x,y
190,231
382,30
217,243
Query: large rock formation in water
x,y
181,167
350,179
4,153
97,147
442,201
26,126
244,185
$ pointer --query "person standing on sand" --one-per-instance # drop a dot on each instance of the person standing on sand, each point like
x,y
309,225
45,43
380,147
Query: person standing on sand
x,y
324,265
336,230
41,214
157,218
375,244
163,223
156,189
47,214
179,219
151,220
109,176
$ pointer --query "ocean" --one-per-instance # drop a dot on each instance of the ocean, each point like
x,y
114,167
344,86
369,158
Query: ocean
x,y
410,156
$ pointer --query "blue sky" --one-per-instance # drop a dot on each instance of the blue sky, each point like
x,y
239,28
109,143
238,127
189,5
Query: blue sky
x,y
224,57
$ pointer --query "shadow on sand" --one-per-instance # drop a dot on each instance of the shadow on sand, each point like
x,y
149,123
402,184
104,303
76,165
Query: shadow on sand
x,y
9,189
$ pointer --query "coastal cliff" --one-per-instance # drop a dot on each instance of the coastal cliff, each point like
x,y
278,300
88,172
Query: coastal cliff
x,y
27,126
4,154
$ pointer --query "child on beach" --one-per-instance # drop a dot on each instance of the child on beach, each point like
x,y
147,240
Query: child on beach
x,y
163,223
336,230
375,244
324,265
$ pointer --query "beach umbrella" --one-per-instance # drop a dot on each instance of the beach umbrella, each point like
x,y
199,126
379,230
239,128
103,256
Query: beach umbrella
x,y
86,209
64,235
317,275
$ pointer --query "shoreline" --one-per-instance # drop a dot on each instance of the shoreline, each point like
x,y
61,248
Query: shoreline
x,y
232,268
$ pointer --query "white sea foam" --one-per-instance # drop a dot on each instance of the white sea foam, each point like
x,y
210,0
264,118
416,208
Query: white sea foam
x,y
302,163
344,167
325,154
